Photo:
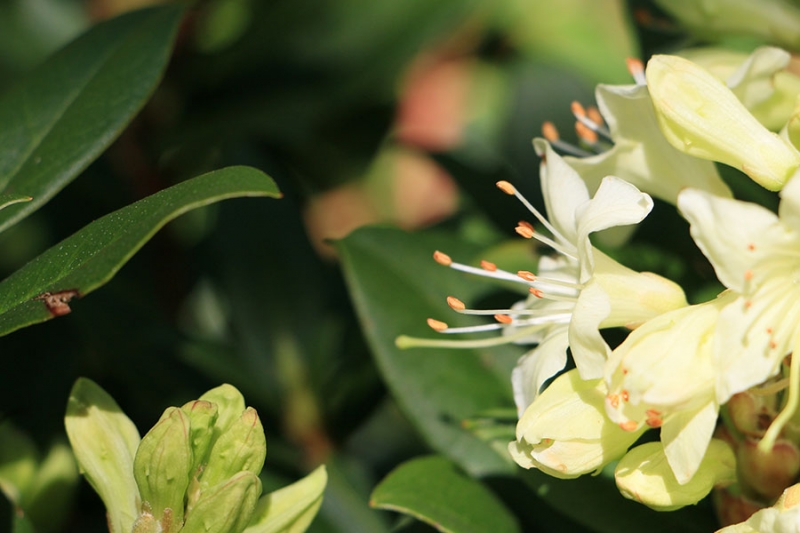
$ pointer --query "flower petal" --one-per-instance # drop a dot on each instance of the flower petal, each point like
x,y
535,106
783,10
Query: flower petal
x,y
537,366
686,436
729,232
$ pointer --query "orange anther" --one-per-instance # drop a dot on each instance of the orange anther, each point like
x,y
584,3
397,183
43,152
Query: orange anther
x,y
585,133
594,115
436,325
506,187
441,258
577,109
527,276
652,413
549,131
748,304
486,265
503,319
625,396
635,66
526,224
654,422
769,331
455,303
751,247
536,292
524,231
629,425
748,275
773,344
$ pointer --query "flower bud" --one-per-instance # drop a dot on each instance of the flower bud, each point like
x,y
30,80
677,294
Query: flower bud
x,y
644,474
243,447
768,474
202,417
162,468
700,116
226,507
104,441
230,404
565,431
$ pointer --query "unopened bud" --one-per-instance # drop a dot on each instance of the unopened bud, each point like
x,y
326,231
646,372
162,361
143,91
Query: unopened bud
x,y
202,417
230,404
768,474
162,468
226,507
242,447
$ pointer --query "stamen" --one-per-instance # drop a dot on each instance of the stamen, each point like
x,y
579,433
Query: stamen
x,y
625,396
503,319
594,115
628,425
455,303
486,265
613,400
441,258
586,134
552,296
437,325
527,276
636,68
550,133
404,341
524,231
751,247
748,275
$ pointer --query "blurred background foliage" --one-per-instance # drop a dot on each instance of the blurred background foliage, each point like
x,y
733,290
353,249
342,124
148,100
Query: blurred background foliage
x,y
364,112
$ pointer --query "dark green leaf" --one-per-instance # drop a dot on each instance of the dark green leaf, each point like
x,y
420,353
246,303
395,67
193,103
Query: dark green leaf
x,y
433,490
59,119
89,258
396,285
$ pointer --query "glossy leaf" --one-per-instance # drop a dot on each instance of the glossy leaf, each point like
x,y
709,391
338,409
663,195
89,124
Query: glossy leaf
x,y
67,111
89,258
432,489
396,286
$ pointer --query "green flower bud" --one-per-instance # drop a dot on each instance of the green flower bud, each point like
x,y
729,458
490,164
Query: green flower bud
x,y
163,467
226,507
700,116
291,508
230,404
645,475
202,417
243,447
104,441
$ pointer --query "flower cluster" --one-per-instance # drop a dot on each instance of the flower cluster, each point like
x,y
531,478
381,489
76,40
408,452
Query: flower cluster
x,y
681,368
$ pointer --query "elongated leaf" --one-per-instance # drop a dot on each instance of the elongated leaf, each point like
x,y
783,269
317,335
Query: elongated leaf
x,y
396,286
433,490
88,259
292,508
59,119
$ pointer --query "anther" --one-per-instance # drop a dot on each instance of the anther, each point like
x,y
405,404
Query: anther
x,y
455,304
506,187
585,133
628,425
525,224
486,265
751,247
625,396
748,275
524,231
654,422
577,109
527,276
636,68
437,325
594,115
550,132
442,258
503,319
536,292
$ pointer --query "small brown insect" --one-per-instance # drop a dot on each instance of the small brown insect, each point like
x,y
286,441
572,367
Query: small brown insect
x,y
58,302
